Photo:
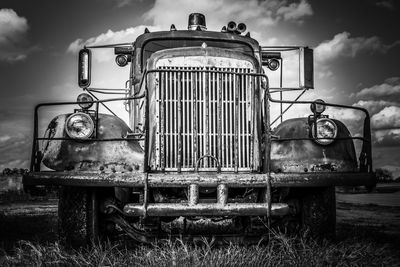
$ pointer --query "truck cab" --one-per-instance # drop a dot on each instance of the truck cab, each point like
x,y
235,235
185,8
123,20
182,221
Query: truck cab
x,y
198,156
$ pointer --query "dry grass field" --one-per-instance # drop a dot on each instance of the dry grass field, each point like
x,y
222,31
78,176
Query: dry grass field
x,y
367,235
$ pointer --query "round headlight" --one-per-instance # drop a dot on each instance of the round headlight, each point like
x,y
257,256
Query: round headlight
x,y
121,60
318,106
273,64
79,126
326,131
84,98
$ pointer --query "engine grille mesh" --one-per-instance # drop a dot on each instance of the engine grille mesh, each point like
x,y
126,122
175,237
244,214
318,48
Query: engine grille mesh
x,y
204,115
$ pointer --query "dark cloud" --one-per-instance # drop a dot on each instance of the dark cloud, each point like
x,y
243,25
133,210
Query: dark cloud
x,y
387,138
387,4
343,45
15,150
388,90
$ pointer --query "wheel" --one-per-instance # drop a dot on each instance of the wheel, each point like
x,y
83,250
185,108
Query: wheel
x,y
318,212
77,216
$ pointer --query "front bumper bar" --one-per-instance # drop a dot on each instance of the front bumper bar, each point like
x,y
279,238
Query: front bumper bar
x,y
202,179
194,181
206,209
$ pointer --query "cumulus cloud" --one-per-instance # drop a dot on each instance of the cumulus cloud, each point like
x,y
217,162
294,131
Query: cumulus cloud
x,y
345,114
343,45
109,37
256,14
13,29
252,12
295,11
383,103
387,118
374,106
387,137
389,89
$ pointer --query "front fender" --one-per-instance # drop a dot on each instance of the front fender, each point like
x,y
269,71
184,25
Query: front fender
x,y
104,156
307,155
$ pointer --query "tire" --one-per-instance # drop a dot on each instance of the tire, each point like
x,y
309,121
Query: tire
x,y
76,211
318,212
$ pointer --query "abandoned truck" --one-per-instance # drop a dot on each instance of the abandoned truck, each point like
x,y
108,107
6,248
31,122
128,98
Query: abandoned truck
x,y
200,156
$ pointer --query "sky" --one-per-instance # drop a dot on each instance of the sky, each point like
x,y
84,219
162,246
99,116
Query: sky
x,y
356,52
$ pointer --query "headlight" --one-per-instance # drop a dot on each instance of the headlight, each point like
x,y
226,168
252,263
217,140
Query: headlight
x,y
318,106
79,126
326,128
84,98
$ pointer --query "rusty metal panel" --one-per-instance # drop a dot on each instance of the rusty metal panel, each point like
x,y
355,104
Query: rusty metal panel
x,y
110,156
308,156
137,179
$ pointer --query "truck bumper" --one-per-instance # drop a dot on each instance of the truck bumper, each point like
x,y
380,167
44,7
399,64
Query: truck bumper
x,y
202,179
194,181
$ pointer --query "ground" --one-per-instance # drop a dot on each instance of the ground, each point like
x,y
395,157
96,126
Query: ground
x,y
368,224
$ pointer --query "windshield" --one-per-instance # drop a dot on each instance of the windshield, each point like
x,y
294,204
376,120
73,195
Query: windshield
x,y
156,45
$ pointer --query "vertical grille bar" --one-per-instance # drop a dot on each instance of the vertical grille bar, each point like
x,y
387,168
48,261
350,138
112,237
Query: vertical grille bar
x,y
219,122
236,122
179,122
162,120
207,111
195,138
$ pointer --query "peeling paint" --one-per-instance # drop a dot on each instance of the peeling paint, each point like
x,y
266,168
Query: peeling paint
x,y
308,156
110,156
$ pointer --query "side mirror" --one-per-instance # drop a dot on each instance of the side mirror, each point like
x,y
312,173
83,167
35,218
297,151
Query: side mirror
x,y
306,68
84,67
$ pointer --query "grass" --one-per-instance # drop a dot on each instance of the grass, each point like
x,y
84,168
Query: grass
x,y
360,250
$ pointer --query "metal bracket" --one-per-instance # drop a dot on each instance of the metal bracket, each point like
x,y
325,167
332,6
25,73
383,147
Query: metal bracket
x,y
208,156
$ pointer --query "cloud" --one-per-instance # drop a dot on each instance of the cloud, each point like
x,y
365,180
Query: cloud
x,y
383,103
389,90
387,137
295,11
345,114
109,37
387,4
4,138
256,14
13,29
123,3
252,12
342,45
374,106
387,118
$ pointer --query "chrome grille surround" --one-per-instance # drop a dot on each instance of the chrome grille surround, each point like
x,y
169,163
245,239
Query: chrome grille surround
x,y
204,118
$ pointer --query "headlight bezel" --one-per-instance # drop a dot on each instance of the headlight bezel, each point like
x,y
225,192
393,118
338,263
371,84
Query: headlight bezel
x,y
84,97
68,126
324,140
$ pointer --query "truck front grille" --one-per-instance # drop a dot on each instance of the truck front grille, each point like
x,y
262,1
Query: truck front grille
x,y
204,117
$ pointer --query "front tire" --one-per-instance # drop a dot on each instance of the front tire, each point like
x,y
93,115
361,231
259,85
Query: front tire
x,y
77,216
318,212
